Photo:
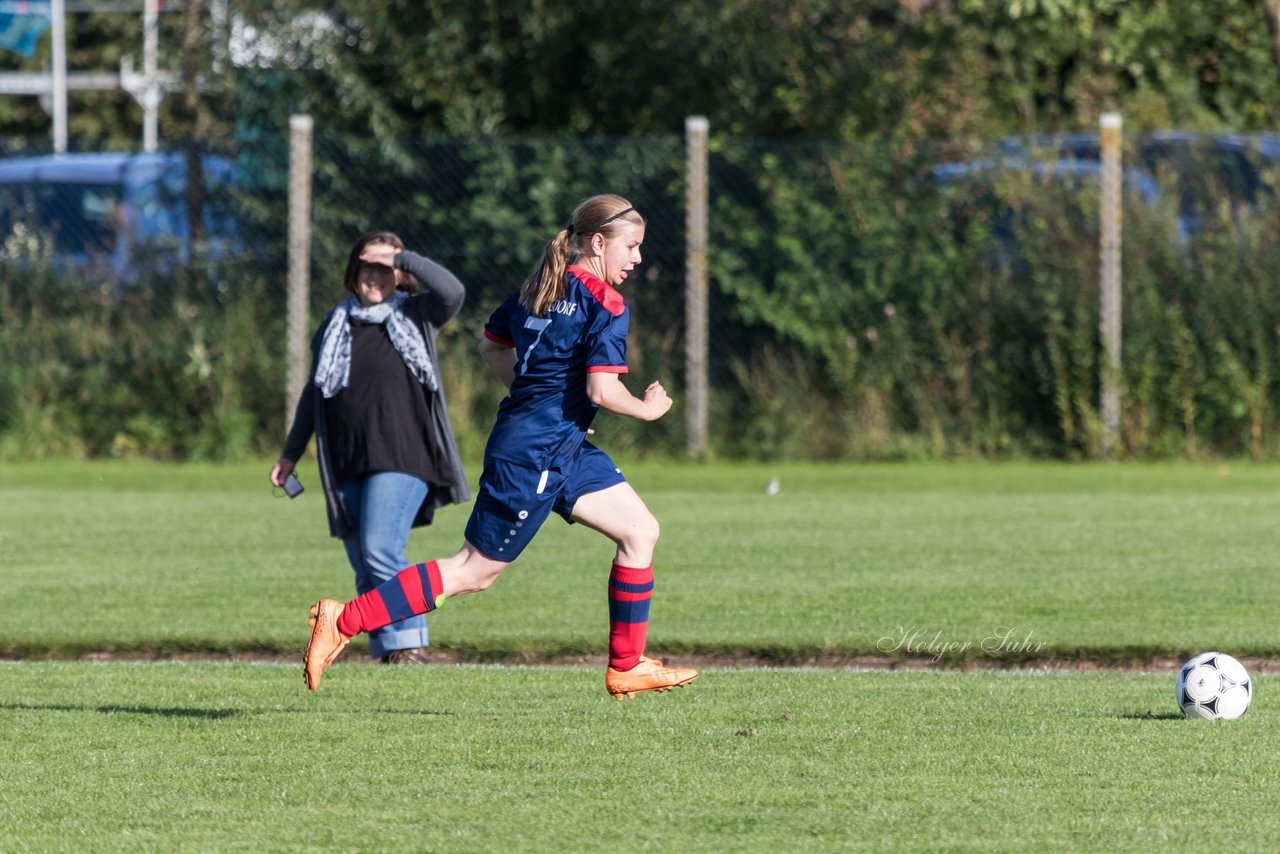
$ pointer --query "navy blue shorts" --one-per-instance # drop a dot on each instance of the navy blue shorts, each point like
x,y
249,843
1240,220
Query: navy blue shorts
x,y
514,501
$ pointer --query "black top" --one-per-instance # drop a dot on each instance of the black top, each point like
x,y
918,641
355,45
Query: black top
x,y
380,420
431,308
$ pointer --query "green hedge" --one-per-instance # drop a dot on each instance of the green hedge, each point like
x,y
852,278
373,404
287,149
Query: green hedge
x,y
861,308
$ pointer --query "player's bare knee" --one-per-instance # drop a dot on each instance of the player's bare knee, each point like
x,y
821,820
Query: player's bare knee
x,y
644,534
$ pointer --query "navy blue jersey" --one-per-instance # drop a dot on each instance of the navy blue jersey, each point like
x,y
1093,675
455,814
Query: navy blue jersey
x,y
544,419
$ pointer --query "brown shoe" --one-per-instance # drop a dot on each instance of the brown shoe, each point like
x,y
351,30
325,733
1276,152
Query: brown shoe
x,y
417,655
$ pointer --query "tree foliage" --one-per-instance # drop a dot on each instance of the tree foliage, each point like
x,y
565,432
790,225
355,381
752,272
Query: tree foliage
x,y
810,68
824,69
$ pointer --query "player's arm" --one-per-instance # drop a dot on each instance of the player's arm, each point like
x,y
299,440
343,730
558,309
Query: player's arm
x,y
606,391
501,359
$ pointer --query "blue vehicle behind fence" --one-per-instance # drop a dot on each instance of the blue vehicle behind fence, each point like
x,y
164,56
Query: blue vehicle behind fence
x,y
1198,174
110,216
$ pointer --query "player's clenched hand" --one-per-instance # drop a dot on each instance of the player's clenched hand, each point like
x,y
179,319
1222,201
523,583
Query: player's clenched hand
x,y
656,401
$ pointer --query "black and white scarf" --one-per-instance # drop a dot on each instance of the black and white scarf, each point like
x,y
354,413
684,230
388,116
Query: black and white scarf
x,y
333,371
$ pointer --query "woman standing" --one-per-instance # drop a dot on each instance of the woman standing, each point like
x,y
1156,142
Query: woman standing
x,y
560,346
386,450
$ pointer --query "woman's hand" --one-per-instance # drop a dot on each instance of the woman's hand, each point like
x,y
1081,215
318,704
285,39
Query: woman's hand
x,y
281,470
380,253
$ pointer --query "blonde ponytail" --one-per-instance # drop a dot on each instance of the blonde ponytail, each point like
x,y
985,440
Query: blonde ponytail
x,y
546,285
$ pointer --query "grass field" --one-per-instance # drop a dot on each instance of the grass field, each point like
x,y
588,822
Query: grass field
x,y
220,757
942,565
1105,563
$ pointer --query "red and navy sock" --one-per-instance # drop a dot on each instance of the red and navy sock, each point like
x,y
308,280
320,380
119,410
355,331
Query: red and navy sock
x,y
630,590
413,590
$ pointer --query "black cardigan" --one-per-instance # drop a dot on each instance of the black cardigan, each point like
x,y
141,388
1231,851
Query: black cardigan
x,y
435,304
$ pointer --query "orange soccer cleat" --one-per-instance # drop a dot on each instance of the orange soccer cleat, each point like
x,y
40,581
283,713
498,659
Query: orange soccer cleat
x,y
326,643
648,675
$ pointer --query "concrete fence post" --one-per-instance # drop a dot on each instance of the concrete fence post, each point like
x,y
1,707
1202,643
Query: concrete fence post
x,y
299,275
695,307
1109,291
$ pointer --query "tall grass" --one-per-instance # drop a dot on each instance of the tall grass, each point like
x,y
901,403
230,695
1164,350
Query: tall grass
x,y
165,368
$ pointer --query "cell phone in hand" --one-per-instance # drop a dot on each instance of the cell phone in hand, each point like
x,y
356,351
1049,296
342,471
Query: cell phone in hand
x,y
292,486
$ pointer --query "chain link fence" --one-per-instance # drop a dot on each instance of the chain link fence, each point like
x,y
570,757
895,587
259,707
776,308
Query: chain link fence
x,y
868,300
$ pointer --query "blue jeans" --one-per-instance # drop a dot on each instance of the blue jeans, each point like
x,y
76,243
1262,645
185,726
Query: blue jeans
x,y
384,505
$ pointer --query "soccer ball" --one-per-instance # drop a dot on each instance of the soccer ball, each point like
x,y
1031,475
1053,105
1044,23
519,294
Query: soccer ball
x,y
1213,685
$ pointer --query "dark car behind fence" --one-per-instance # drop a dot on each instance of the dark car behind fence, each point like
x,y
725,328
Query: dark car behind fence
x,y
107,217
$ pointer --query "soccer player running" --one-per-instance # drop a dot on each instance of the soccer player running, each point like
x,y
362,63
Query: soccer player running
x,y
560,346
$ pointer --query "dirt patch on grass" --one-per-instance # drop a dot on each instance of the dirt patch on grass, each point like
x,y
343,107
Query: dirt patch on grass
x,y
1159,664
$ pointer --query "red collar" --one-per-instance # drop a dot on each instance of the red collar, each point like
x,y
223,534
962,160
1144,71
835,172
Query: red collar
x,y
600,289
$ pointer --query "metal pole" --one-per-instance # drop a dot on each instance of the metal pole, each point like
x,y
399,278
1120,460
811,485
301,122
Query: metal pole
x,y
695,304
299,296
151,94
58,23
1109,308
